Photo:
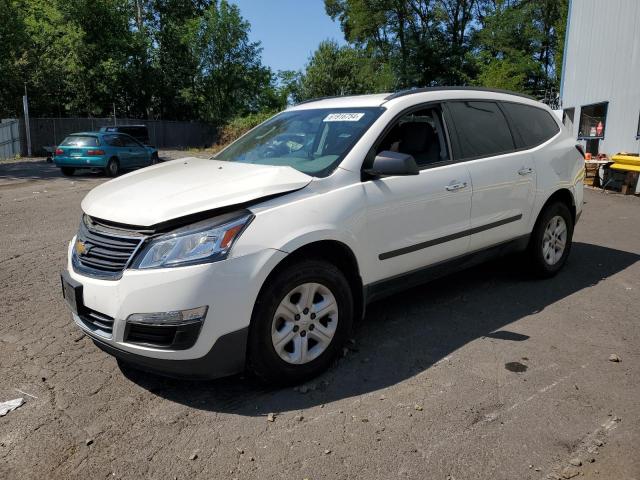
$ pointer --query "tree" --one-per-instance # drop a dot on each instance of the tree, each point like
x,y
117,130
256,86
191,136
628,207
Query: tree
x,y
12,40
426,42
49,64
228,71
334,70
517,44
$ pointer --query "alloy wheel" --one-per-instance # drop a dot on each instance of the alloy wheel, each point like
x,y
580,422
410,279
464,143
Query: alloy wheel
x,y
554,240
304,323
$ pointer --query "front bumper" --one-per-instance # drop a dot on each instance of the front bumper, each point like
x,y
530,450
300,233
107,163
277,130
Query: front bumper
x,y
229,288
226,357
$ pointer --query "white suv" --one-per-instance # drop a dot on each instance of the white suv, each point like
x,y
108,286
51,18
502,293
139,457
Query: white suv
x,y
265,255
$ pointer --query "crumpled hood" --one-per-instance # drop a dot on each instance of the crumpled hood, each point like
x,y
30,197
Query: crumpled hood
x,y
186,186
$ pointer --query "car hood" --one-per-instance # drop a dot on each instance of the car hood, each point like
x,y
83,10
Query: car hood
x,y
186,186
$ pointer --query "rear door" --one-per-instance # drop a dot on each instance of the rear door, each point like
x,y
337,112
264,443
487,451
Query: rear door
x,y
503,178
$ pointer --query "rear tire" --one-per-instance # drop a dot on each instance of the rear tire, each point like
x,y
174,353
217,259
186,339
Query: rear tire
x,y
550,242
289,343
67,171
113,168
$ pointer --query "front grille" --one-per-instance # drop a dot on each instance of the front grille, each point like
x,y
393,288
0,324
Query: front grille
x,y
104,252
97,322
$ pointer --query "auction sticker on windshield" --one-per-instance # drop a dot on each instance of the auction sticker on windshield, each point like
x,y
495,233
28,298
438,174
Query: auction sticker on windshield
x,y
343,117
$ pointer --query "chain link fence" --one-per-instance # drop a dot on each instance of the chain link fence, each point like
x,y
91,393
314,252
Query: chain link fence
x,y
49,132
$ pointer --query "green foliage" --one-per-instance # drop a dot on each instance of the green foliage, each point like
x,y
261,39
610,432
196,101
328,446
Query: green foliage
x,y
515,44
518,42
229,71
335,70
175,59
192,59
12,36
241,125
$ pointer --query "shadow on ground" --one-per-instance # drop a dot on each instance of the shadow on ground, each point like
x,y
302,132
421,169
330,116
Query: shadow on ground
x,y
41,170
408,333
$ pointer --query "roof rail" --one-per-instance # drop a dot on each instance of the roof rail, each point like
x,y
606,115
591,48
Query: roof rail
x,y
335,96
411,91
317,99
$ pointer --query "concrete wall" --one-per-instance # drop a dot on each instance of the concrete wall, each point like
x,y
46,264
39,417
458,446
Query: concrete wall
x,y
602,63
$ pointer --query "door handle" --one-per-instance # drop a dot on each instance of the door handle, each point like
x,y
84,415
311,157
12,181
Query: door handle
x,y
525,171
452,187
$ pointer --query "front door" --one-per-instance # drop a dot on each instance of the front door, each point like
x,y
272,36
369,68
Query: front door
x,y
136,153
418,220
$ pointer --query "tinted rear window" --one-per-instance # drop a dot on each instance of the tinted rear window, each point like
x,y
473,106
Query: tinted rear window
x,y
482,129
113,140
80,141
128,141
534,125
135,131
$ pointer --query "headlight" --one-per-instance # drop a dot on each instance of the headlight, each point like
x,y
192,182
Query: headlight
x,y
202,242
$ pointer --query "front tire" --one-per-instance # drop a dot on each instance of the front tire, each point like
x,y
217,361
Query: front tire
x,y
550,242
301,320
113,168
67,171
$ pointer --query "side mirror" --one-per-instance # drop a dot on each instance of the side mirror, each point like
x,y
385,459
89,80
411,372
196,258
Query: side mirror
x,y
388,163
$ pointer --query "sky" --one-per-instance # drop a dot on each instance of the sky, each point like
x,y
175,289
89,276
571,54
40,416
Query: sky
x,y
289,30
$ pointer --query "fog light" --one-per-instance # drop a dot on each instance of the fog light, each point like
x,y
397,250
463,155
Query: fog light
x,y
179,317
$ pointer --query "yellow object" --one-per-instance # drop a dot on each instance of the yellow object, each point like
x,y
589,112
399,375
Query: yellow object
x,y
628,163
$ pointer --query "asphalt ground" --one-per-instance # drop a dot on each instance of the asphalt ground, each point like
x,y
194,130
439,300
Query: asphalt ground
x,y
485,374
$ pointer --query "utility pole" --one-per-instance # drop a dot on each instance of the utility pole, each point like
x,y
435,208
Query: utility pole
x,y
115,122
27,127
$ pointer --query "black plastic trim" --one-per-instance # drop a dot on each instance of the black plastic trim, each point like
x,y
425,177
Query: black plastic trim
x,y
398,283
166,337
447,238
226,357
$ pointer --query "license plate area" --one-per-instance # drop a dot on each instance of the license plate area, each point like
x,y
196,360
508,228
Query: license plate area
x,y
72,293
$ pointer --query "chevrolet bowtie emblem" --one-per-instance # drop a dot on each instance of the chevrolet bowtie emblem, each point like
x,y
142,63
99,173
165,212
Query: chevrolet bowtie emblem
x,y
81,248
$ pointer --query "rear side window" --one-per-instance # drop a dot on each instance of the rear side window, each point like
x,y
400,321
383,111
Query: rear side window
x,y
534,125
128,141
481,128
80,141
113,140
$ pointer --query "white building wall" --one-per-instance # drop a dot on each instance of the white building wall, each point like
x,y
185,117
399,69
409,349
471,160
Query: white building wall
x,y
602,63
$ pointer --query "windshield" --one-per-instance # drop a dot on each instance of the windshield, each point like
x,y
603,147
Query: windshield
x,y
311,141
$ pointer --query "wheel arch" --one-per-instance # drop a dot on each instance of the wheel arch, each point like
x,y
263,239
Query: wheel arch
x,y
335,252
565,196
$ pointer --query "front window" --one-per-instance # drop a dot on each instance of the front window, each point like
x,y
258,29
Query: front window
x,y
312,141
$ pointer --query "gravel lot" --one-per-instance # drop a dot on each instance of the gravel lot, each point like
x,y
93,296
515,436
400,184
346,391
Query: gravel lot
x,y
485,374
